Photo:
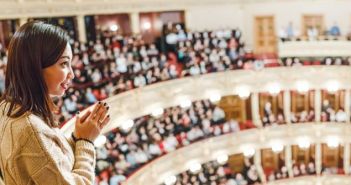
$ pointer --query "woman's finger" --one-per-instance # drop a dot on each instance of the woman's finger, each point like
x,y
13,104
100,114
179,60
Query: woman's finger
x,y
94,112
78,118
105,121
102,112
85,116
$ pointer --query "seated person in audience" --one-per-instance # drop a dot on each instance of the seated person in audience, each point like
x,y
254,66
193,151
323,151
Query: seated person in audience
x,y
327,61
290,32
338,61
311,115
282,34
335,30
312,33
325,105
310,168
341,116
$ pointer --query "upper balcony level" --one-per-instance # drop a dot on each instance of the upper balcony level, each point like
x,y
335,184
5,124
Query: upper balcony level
x,y
315,48
154,98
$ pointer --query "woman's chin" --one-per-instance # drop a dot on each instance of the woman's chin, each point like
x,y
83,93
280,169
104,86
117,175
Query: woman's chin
x,y
57,94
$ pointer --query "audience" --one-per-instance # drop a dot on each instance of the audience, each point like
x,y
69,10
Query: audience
x,y
114,64
269,118
291,33
150,137
303,116
295,61
335,170
213,173
282,173
330,115
301,169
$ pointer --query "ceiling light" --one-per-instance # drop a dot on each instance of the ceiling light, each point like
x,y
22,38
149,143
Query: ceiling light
x,y
333,142
302,86
333,86
128,124
146,25
304,143
185,103
100,141
274,88
222,159
215,97
157,112
277,147
243,91
249,152
194,167
170,180
114,27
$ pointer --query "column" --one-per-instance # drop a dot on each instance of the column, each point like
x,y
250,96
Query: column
x,y
348,104
288,160
255,109
81,29
23,20
347,158
258,164
318,158
287,106
135,22
187,17
318,104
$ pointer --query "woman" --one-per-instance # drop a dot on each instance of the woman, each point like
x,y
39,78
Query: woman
x,y
32,149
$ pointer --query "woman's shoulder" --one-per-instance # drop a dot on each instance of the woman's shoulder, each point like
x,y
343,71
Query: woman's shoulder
x,y
21,129
27,122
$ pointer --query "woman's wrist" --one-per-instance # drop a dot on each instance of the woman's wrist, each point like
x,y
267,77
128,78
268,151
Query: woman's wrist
x,y
87,140
75,139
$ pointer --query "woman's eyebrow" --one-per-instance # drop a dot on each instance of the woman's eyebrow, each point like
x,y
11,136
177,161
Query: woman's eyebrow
x,y
65,57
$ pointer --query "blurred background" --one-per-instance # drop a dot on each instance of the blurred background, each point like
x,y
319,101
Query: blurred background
x,y
207,92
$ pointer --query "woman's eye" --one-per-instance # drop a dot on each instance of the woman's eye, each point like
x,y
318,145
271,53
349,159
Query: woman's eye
x,y
64,64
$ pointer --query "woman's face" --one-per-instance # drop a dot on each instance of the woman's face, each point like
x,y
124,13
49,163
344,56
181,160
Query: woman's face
x,y
58,77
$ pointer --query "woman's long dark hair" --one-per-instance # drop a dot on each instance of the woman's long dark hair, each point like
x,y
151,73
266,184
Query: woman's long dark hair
x,y
35,46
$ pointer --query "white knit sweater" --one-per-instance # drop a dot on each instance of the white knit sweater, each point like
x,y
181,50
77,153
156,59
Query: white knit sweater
x,y
33,153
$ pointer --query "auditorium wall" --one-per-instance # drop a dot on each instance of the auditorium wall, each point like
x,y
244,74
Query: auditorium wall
x,y
243,15
199,15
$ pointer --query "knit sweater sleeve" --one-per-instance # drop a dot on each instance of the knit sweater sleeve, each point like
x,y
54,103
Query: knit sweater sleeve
x,y
54,167
71,142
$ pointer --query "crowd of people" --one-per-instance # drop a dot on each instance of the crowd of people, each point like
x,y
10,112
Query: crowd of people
x,y
214,173
269,118
303,116
206,52
313,32
114,64
330,115
151,137
332,170
297,61
281,173
301,169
